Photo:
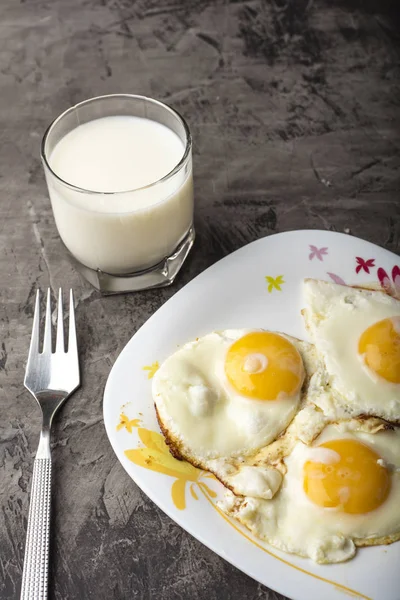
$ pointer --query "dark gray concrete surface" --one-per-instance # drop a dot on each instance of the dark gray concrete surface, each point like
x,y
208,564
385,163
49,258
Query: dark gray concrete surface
x,y
294,108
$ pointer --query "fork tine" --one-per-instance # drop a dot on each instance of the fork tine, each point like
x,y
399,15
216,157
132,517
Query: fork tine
x,y
34,345
47,326
72,343
60,324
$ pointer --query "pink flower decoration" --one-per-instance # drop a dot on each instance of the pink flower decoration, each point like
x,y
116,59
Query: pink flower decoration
x,y
364,264
336,279
318,252
392,287
384,279
396,277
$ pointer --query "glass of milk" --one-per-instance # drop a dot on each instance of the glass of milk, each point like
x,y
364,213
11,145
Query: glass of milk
x,y
119,174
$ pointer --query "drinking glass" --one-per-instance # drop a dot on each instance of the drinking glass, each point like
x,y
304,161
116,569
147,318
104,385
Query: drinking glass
x,y
134,239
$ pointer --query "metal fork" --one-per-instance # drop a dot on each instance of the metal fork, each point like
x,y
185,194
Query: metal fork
x,y
50,378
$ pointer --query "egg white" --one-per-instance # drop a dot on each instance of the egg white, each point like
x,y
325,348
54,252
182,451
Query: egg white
x,y
336,316
291,522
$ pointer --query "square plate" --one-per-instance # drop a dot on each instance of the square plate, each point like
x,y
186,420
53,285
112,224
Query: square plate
x,y
259,286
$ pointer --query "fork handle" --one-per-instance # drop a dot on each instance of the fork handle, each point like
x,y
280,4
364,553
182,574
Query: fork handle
x,y
36,561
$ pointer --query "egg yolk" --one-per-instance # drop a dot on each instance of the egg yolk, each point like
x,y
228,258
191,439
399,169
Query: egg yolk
x,y
263,366
379,346
355,483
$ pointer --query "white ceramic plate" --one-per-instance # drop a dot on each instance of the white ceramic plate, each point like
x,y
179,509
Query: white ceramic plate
x,y
258,286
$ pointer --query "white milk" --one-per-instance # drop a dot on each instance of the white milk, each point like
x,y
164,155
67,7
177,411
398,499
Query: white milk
x,y
134,228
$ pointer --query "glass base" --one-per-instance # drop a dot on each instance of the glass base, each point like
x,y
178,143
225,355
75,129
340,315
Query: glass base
x,y
160,275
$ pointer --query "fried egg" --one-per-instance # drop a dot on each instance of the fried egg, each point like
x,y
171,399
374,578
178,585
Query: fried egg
x,y
221,398
341,492
357,334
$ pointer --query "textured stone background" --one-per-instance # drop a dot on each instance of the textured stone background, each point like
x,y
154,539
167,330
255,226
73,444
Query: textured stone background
x,y
294,108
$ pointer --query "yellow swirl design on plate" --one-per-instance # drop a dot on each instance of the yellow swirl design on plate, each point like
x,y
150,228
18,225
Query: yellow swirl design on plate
x,y
156,456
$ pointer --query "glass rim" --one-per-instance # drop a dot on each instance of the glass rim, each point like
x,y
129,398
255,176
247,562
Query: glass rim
x,y
76,188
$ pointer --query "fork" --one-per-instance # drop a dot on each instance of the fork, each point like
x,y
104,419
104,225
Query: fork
x,y
51,377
